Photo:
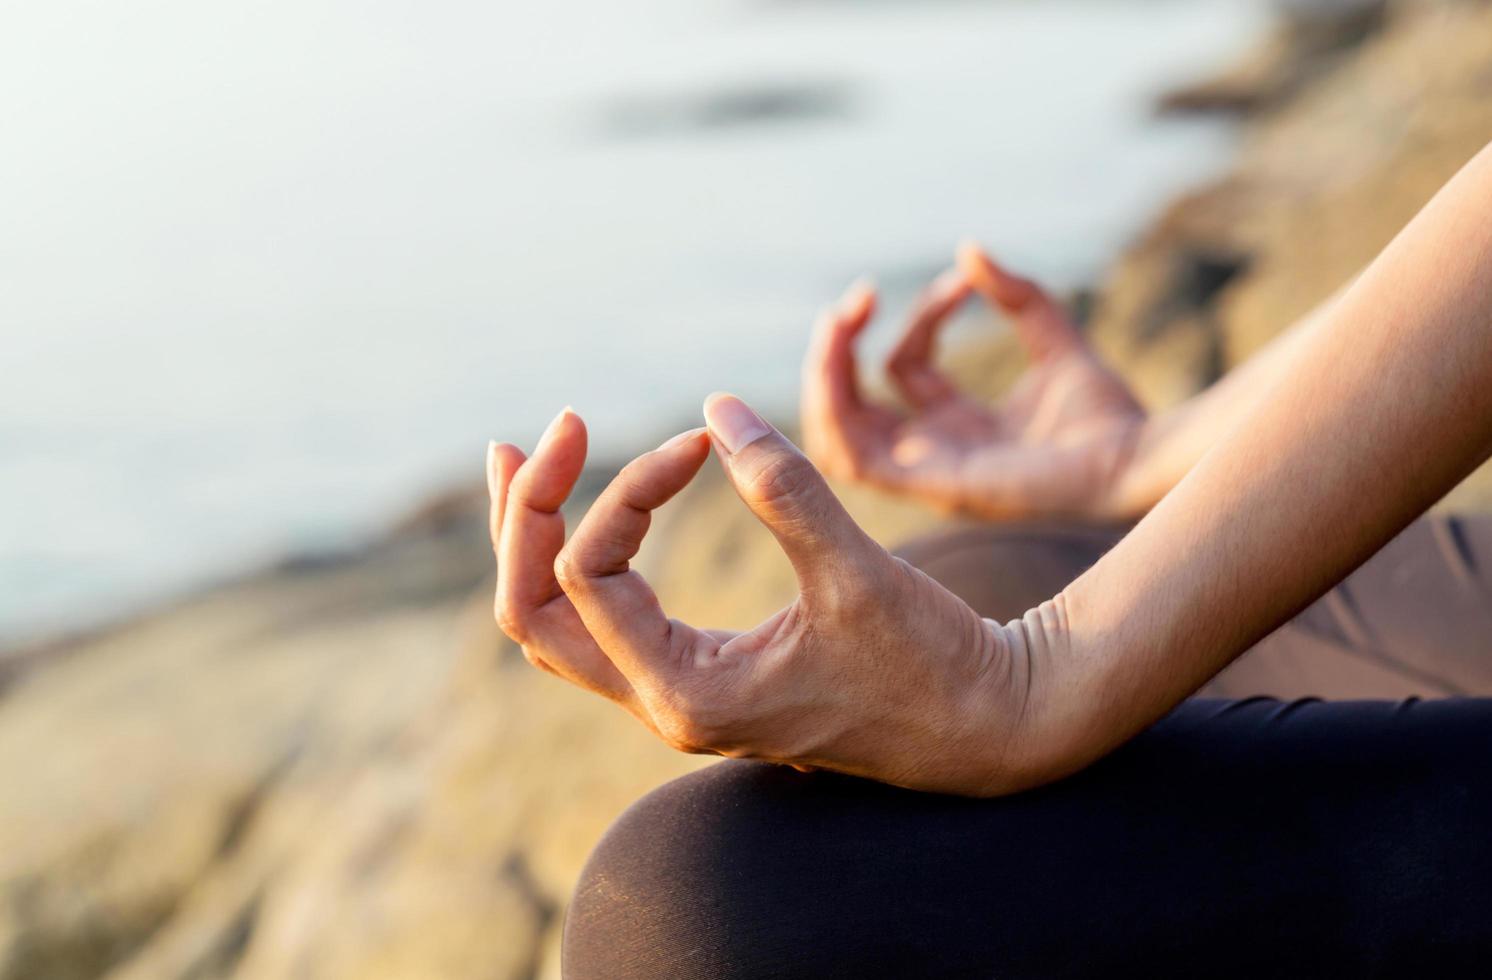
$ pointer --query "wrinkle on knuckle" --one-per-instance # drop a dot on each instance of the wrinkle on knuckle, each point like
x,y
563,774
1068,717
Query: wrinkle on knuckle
x,y
632,479
510,621
780,483
697,726
676,733
569,570
689,731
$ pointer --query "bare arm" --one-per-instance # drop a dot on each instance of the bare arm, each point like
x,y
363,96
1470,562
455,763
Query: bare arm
x,y
874,669
1383,407
1172,442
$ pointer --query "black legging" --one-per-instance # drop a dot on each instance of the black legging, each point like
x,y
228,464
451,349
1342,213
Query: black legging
x,y
1255,838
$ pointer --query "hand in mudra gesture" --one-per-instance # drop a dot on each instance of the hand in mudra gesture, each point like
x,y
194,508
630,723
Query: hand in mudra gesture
x,y
1057,445
874,669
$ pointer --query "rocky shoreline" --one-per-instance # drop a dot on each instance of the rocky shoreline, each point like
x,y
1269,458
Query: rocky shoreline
x,y
338,768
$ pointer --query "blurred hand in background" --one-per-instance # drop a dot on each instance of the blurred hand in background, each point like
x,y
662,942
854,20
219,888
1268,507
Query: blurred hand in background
x,y
1056,446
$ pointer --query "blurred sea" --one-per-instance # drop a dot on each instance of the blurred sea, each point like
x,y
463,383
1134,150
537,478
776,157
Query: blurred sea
x,y
270,272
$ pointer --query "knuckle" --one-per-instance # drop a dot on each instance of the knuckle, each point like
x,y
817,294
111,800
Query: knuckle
x,y
695,727
679,744
679,734
569,569
633,474
510,622
782,481
682,732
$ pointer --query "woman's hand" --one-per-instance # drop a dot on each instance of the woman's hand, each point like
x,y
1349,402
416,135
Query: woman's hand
x,y
1057,446
874,669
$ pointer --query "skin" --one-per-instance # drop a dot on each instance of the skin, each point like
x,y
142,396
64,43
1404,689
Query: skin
x,y
1056,446
874,669
1070,441
1171,443
1348,428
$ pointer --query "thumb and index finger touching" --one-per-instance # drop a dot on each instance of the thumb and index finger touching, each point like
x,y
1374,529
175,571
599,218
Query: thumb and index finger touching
x,y
777,483
770,475
783,490
1040,322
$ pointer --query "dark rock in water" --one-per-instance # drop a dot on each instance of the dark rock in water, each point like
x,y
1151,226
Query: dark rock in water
x,y
753,104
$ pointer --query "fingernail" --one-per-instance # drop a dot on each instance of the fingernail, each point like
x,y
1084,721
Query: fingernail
x,y
733,422
553,427
861,291
982,271
682,438
492,467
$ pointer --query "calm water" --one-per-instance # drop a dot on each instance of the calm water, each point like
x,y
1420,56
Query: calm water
x,y
269,272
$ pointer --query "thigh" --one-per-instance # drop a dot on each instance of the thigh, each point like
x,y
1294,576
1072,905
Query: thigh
x,y
1003,570
1247,839
1414,620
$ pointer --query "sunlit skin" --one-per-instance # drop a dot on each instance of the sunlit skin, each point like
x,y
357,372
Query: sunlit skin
x,y
1055,446
869,668
1271,487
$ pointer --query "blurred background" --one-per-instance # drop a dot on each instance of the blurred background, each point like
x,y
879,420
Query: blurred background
x,y
273,272
271,275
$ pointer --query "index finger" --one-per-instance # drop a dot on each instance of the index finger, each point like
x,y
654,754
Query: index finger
x,y
503,460
1042,325
529,604
830,376
834,416
910,364
616,604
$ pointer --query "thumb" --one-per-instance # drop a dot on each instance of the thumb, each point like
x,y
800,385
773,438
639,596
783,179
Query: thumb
x,y
785,492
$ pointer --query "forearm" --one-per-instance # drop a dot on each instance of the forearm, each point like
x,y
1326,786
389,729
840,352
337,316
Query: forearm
x,y
1385,407
1171,442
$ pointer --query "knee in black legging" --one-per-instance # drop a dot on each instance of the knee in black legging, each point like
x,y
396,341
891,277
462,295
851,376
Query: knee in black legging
x,y
659,896
750,870
1230,840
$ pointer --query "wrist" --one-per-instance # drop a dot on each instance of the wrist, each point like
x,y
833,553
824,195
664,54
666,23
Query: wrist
x,y
1028,746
